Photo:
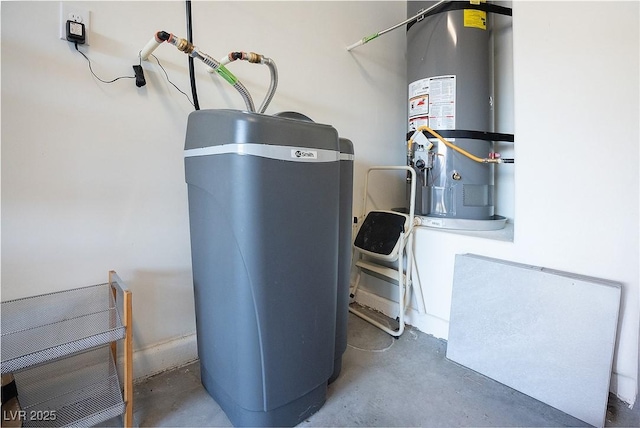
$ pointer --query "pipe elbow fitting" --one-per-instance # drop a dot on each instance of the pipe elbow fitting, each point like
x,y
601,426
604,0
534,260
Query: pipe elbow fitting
x,y
162,36
235,56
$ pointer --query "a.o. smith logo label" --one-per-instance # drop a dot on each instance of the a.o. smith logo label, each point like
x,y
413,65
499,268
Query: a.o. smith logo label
x,y
304,154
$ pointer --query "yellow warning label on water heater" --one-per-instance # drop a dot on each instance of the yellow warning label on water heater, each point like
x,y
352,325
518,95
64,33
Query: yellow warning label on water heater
x,y
475,19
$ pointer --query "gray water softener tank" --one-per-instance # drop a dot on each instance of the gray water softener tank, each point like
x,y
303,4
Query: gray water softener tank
x,y
344,252
264,196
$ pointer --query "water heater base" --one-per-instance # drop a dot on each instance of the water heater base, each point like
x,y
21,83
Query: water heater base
x,y
497,222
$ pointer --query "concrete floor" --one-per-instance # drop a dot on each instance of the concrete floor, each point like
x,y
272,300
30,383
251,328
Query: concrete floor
x,y
384,382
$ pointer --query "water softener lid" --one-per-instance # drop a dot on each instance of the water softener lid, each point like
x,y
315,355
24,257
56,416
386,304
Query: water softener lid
x,y
207,128
346,150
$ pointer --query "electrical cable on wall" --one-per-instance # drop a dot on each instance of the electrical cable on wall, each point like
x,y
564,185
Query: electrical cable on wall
x,y
169,80
94,74
76,33
139,76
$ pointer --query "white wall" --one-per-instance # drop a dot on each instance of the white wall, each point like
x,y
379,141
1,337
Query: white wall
x,y
576,104
92,174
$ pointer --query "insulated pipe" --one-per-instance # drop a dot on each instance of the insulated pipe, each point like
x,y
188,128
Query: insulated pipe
x,y
152,45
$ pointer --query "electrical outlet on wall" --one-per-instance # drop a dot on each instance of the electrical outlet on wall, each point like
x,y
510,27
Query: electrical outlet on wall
x,y
70,11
